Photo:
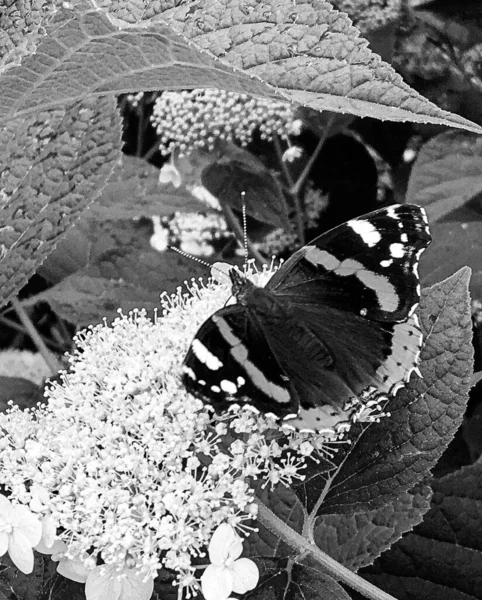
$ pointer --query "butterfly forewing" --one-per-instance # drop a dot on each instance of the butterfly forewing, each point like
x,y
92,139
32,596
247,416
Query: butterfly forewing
x,y
367,266
230,361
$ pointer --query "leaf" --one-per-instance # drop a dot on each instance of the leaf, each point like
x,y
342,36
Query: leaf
x,y
296,580
284,503
395,454
23,392
134,191
369,500
51,168
357,540
442,558
457,242
262,193
122,271
315,58
446,174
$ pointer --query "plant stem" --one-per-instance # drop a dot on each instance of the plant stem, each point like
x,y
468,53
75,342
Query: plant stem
x,y
340,573
306,171
16,327
52,362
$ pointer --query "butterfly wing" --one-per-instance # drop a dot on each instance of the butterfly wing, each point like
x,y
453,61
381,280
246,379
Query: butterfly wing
x,y
230,361
367,266
356,289
334,319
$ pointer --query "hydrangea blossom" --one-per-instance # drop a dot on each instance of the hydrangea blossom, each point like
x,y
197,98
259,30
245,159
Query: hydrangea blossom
x,y
125,471
198,118
228,573
20,530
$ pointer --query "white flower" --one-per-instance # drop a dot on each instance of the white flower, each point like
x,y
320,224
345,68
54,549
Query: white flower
x,y
20,530
228,573
292,153
170,174
107,583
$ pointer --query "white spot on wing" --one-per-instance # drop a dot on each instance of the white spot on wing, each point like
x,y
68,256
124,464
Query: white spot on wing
x,y
395,372
215,388
189,372
367,231
404,237
240,354
204,356
397,250
386,263
386,293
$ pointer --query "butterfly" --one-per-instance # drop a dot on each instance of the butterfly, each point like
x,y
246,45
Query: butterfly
x,y
336,318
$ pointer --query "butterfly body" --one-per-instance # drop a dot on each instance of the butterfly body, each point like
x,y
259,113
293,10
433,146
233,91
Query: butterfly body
x,y
337,317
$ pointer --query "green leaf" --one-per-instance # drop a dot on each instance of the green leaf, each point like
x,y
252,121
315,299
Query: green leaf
x,y
52,166
262,192
134,191
110,266
447,173
456,242
308,53
391,456
296,580
442,558
23,392
357,540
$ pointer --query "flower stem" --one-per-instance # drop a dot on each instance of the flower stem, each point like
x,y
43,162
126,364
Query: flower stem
x,y
49,358
340,573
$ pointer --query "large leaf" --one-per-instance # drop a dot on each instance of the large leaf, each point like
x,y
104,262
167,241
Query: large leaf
x,y
375,493
105,265
52,166
457,241
134,191
308,53
446,174
442,558
391,456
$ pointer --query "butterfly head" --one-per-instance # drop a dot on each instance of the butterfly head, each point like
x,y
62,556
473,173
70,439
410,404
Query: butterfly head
x,y
240,284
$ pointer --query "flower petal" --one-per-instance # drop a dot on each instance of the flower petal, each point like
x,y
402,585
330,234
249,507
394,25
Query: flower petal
x,y
20,551
49,531
133,586
245,575
74,570
225,545
3,543
103,587
6,509
55,548
216,583
28,524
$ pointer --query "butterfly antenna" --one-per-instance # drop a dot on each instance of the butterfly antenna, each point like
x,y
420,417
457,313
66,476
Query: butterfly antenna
x,y
245,231
198,260
187,255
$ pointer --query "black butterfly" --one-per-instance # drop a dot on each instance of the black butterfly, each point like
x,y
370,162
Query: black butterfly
x,y
337,317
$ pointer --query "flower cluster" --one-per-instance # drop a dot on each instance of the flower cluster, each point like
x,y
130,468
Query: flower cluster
x,y
197,233
198,118
123,473
125,470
